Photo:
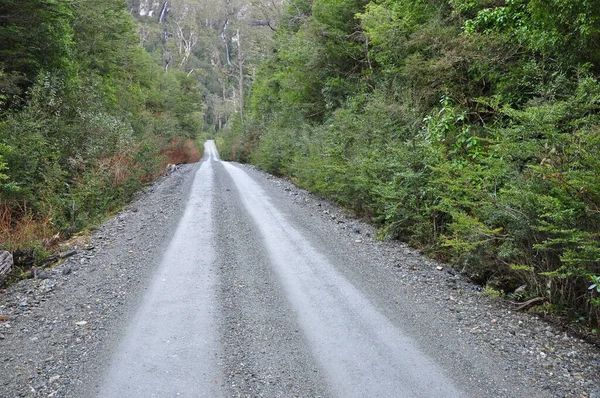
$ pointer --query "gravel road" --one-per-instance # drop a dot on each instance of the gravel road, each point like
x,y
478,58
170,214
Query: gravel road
x,y
222,281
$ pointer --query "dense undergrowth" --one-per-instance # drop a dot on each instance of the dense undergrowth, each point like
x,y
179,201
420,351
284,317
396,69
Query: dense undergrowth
x,y
470,129
87,118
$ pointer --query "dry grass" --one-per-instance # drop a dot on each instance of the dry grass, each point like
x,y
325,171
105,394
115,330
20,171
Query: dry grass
x,y
120,167
179,150
123,166
18,227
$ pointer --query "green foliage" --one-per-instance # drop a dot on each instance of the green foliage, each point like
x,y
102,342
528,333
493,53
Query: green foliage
x,y
566,29
104,37
5,184
337,15
390,26
35,36
492,292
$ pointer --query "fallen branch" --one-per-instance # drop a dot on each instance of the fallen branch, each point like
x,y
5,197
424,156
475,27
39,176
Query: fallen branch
x,y
528,303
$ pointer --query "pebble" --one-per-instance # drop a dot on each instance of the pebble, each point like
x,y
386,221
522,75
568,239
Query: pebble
x,y
43,275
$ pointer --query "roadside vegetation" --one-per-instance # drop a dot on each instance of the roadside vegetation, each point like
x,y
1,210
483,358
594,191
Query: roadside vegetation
x,y
468,128
88,116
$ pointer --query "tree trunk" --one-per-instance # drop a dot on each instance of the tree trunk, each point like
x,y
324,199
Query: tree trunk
x,y
241,76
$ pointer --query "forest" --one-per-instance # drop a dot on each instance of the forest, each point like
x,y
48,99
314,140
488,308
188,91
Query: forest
x,y
468,128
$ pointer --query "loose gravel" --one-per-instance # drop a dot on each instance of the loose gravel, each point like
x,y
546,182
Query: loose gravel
x,y
61,330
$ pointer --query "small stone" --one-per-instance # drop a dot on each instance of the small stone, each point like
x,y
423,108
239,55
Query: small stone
x,y
67,270
69,253
39,386
43,275
439,268
54,378
547,365
520,289
81,323
47,285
